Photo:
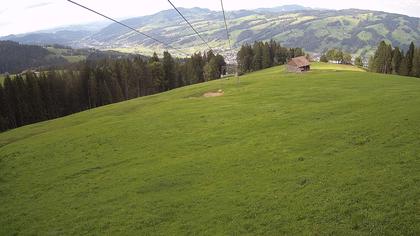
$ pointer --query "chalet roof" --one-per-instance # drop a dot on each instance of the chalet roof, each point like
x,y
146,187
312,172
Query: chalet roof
x,y
299,61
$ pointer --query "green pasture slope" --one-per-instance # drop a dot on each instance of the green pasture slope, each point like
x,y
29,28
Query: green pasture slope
x,y
331,152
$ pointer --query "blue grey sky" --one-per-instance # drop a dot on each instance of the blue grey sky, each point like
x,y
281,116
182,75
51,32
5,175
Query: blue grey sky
x,y
22,16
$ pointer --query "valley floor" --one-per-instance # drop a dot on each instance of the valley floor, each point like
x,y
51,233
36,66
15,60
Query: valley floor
x,y
333,151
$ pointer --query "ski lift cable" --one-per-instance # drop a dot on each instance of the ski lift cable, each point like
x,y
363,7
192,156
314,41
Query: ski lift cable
x,y
192,27
226,25
129,27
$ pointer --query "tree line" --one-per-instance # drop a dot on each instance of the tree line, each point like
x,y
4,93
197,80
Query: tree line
x,y
389,60
262,55
338,56
31,97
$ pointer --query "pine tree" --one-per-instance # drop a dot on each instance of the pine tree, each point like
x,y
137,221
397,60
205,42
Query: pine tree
x,y
371,64
211,71
4,123
116,91
244,58
258,56
156,74
266,56
388,60
169,79
10,102
23,115
35,102
197,68
154,58
396,61
382,61
220,63
281,55
93,90
209,56
105,96
410,57
416,63
273,48
404,67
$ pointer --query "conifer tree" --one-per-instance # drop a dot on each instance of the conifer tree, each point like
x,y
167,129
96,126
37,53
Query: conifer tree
x,y
382,62
410,57
416,63
169,79
105,96
244,58
258,56
266,56
371,64
197,66
10,102
4,124
396,61
209,56
211,71
404,67
36,106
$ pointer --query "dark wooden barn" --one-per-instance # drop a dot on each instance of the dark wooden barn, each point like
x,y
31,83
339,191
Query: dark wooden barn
x,y
298,65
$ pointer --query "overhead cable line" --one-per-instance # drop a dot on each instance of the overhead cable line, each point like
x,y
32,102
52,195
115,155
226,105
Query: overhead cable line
x,y
226,26
129,27
192,27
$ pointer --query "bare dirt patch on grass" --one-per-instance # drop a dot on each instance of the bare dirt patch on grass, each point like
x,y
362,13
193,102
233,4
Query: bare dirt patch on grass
x,y
214,94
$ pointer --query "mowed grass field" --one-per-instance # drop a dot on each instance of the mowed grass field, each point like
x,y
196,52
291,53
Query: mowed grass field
x,y
329,152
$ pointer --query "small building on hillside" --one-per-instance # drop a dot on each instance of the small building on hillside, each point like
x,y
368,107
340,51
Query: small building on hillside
x,y
298,65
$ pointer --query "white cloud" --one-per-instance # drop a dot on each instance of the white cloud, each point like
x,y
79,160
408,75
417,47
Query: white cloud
x,y
42,4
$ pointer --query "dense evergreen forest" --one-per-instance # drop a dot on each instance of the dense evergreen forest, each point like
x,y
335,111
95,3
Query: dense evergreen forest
x,y
389,60
30,98
15,57
262,55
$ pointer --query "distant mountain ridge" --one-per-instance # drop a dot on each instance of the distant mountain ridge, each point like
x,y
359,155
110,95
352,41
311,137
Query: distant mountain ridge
x,y
315,30
284,8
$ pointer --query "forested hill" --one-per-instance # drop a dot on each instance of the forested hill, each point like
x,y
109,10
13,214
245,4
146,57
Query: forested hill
x,y
15,57
355,31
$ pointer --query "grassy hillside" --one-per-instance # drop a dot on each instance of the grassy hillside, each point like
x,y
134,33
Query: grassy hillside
x,y
328,152
71,55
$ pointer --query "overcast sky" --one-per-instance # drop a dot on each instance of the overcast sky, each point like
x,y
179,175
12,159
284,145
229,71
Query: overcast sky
x,y
19,16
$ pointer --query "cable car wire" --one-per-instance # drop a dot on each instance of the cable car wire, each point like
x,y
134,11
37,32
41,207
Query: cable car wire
x,y
226,26
192,27
129,27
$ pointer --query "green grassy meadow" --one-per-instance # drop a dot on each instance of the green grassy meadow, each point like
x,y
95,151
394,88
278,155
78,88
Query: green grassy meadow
x,y
335,151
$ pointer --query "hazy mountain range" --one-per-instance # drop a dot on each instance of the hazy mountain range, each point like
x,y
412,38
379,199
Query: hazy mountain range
x,y
315,30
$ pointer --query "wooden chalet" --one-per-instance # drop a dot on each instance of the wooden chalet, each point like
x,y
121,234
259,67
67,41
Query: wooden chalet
x,y
298,65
